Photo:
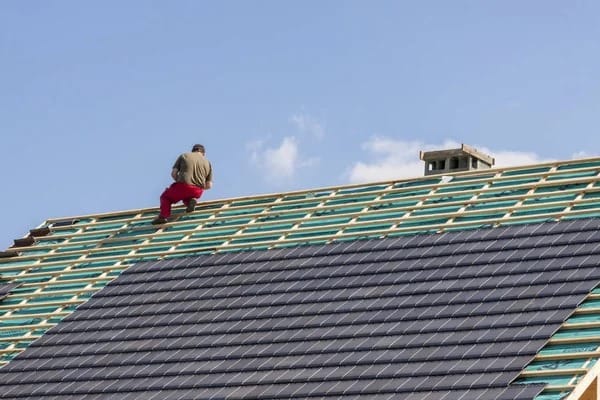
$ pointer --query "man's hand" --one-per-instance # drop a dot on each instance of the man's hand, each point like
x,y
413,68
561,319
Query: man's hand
x,y
208,185
174,173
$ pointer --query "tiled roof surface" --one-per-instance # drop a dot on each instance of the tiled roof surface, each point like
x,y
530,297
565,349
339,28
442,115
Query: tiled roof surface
x,y
446,317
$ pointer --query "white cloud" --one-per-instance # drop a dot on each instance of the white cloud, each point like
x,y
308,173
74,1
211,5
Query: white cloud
x,y
397,159
279,163
506,158
392,159
306,124
583,154
282,162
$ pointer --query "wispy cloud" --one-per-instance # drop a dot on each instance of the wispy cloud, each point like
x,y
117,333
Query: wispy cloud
x,y
584,154
390,159
307,124
280,162
395,159
508,158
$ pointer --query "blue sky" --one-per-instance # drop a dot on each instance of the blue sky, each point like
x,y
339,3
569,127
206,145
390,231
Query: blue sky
x,y
97,99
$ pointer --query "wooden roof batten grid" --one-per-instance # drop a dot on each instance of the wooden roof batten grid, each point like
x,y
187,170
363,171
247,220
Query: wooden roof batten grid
x,y
569,204
538,195
227,202
580,201
560,182
394,191
382,232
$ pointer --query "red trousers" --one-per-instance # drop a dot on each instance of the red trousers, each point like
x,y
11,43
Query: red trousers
x,y
177,192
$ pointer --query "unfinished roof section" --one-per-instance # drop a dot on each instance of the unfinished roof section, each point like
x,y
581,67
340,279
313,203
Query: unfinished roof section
x,y
465,158
453,316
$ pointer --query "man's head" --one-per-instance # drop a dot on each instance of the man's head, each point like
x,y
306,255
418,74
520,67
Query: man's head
x,y
198,147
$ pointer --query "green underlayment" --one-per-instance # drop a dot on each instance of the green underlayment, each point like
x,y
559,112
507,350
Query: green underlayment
x,y
81,255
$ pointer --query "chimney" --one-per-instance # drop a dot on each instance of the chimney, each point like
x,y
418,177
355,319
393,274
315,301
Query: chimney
x,y
465,158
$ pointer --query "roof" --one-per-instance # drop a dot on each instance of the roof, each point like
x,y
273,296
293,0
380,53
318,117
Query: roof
x,y
350,320
61,263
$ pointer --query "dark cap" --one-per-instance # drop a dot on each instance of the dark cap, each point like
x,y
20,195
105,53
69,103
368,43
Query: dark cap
x,y
198,147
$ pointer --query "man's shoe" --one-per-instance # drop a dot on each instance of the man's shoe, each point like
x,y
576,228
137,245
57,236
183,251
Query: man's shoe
x,y
159,221
191,206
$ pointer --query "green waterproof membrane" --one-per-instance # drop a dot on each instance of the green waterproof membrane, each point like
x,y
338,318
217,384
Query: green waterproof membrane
x,y
361,199
447,199
233,213
324,222
527,171
503,193
436,210
252,202
491,204
293,207
381,216
461,188
548,199
266,228
366,228
336,211
396,204
255,239
364,189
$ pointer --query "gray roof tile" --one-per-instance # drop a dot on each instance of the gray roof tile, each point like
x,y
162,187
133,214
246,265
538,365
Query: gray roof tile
x,y
6,288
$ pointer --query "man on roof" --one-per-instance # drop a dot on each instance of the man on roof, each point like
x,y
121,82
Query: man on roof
x,y
192,173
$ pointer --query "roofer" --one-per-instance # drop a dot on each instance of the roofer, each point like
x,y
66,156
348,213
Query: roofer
x,y
192,174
